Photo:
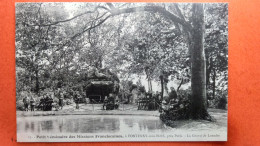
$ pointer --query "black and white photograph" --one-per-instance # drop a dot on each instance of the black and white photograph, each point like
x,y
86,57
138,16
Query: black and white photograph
x,y
105,72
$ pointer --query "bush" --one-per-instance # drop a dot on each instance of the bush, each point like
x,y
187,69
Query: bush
x,y
222,103
19,105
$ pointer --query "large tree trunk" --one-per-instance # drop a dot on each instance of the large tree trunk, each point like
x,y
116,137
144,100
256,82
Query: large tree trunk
x,y
198,65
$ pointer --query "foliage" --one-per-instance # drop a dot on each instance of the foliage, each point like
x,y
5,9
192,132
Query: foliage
x,y
216,50
58,43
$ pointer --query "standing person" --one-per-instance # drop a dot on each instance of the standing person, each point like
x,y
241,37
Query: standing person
x,y
26,103
32,103
105,103
76,98
151,104
61,99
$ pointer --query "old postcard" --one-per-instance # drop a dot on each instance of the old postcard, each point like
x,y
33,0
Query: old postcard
x,y
121,72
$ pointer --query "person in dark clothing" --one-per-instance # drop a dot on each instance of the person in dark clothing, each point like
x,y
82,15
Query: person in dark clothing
x,y
76,98
111,102
61,98
26,103
172,94
152,103
117,104
41,104
47,103
32,103
222,103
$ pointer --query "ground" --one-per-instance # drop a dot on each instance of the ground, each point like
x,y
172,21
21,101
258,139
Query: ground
x,y
127,109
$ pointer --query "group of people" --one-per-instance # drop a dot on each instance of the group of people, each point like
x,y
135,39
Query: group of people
x,y
148,101
154,101
175,106
45,102
110,102
29,101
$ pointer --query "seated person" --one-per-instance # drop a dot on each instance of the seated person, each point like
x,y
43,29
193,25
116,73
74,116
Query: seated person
x,y
174,103
111,98
117,104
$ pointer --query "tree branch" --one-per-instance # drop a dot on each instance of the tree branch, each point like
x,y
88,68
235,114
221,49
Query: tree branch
x,y
111,6
155,9
179,11
82,32
74,17
180,85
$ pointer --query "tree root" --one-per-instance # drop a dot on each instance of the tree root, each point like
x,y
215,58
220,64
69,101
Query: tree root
x,y
208,117
204,115
168,118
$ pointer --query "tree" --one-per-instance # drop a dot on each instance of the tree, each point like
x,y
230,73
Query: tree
x,y
216,49
198,63
32,41
188,22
